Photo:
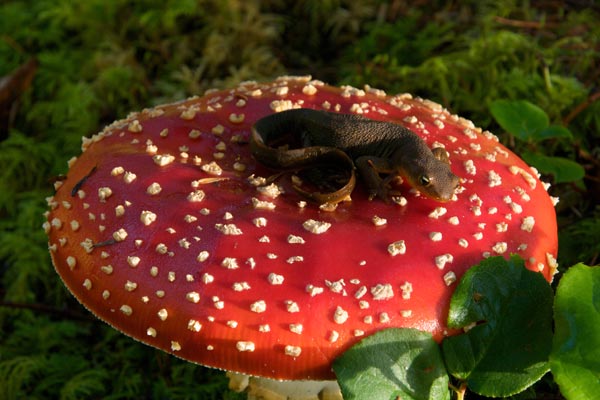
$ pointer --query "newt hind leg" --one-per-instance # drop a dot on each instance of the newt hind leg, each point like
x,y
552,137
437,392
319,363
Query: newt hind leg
x,y
370,169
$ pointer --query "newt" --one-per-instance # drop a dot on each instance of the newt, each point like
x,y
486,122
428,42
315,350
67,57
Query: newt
x,y
354,142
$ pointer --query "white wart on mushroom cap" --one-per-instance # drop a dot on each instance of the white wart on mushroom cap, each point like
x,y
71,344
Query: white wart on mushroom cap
x,y
165,230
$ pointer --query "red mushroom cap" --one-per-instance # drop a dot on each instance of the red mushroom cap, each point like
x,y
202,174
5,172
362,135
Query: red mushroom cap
x,y
163,230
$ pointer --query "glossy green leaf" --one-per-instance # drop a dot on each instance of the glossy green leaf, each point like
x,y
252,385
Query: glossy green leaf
x,y
393,363
575,358
553,132
562,169
509,311
520,118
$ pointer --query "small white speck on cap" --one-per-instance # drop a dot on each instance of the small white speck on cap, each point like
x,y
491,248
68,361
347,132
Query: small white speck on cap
x,y
134,126
262,205
382,291
296,328
333,336
294,239
193,297
212,168
207,278
292,351
435,236
407,290
202,256
194,134
442,260
232,324
107,269
153,189
454,221
127,310
316,227
120,235
194,326
313,290
470,167
75,225
236,118
218,129
104,193
175,346
396,248
228,229
500,247
501,227
130,286
71,262
449,278
245,346
528,224
273,191
275,279
189,113
264,328
438,212
230,263
87,284
119,210
56,223
133,261
87,245
163,159
378,221
151,332
116,171
147,217
340,315
360,292
309,89
337,286
258,306
260,222
196,196
292,306
129,177
163,314
384,318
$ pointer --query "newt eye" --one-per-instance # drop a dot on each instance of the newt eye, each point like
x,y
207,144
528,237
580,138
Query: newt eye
x,y
424,180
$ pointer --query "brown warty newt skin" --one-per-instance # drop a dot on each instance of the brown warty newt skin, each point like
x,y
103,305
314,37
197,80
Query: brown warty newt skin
x,y
376,147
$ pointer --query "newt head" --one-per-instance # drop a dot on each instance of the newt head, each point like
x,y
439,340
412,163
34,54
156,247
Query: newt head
x,y
432,177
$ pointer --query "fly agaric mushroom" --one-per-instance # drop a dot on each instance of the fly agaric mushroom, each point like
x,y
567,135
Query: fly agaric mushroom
x,y
166,229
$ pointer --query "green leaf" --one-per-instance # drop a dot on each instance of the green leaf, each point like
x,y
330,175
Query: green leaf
x,y
553,132
563,169
393,363
575,358
509,310
519,117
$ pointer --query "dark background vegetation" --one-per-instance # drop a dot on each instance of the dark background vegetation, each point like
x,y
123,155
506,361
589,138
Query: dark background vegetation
x,y
96,60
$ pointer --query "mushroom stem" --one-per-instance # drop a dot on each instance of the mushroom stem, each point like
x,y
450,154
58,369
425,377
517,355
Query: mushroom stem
x,y
272,389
